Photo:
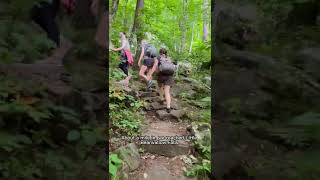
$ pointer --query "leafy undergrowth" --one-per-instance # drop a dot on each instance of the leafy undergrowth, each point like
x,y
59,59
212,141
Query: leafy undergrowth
x,y
125,118
200,113
41,138
23,40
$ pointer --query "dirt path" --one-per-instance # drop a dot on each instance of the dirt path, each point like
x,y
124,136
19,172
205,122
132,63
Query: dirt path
x,y
162,161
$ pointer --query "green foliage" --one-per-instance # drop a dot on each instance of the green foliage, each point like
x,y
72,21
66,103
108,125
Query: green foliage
x,y
22,43
127,120
73,135
301,131
203,170
10,142
27,117
307,165
155,27
114,164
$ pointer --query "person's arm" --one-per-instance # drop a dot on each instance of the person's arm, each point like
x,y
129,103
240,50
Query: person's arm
x,y
120,48
141,56
154,67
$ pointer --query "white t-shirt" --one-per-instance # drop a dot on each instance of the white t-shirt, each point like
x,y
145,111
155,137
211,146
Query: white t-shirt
x,y
125,44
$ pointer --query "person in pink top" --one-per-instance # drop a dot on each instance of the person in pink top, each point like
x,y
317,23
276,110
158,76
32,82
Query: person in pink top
x,y
126,57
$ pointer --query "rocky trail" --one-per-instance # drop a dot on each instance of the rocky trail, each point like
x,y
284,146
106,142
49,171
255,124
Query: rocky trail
x,y
159,161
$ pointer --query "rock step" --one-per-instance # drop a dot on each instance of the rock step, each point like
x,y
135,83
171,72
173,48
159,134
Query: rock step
x,y
160,172
152,99
158,106
148,94
174,114
171,148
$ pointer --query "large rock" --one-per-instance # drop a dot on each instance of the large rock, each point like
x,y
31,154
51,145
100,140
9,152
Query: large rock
x,y
148,94
123,173
173,115
182,147
160,172
196,86
184,68
130,155
158,106
202,132
183,89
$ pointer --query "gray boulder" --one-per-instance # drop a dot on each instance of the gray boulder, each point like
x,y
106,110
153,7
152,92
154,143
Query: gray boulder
x,y
130,155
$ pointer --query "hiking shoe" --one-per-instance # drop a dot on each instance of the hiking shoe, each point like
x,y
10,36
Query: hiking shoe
x,y
149,85
168,110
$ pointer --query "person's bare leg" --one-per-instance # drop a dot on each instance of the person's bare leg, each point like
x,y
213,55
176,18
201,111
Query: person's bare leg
x,y
142,72
167,95
127,79
149,73
161,92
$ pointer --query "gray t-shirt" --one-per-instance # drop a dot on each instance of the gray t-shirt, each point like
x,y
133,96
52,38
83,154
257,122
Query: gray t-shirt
x,y
125,44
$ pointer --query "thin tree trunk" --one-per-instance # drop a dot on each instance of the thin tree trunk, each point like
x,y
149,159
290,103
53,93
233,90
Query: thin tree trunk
x,y
190,50
183,25
137,26
205,20
115,4
137,16
125,19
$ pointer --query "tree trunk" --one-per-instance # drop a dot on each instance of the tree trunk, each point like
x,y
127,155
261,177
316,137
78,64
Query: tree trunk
x,y
183,25
205,20
137,28
115,4
83,17
101,34
190,50
126,18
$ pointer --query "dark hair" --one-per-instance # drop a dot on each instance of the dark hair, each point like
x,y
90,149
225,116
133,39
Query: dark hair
x,y
163,51
124,33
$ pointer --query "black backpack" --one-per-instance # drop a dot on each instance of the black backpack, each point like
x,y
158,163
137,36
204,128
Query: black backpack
x,y
150,50
166,66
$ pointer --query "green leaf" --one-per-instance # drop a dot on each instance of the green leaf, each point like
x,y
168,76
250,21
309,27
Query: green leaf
x,y
206,99
73,135
89,137
115,159
112,169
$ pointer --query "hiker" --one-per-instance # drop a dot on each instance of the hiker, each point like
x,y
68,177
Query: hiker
x,y
44,13
165,72
148,54
126,57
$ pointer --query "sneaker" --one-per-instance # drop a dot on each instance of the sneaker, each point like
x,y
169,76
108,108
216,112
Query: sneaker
x,y
149,84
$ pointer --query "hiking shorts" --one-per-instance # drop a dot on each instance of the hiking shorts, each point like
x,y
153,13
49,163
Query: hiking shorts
x,y
166,80
44,15
124,65
148,61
